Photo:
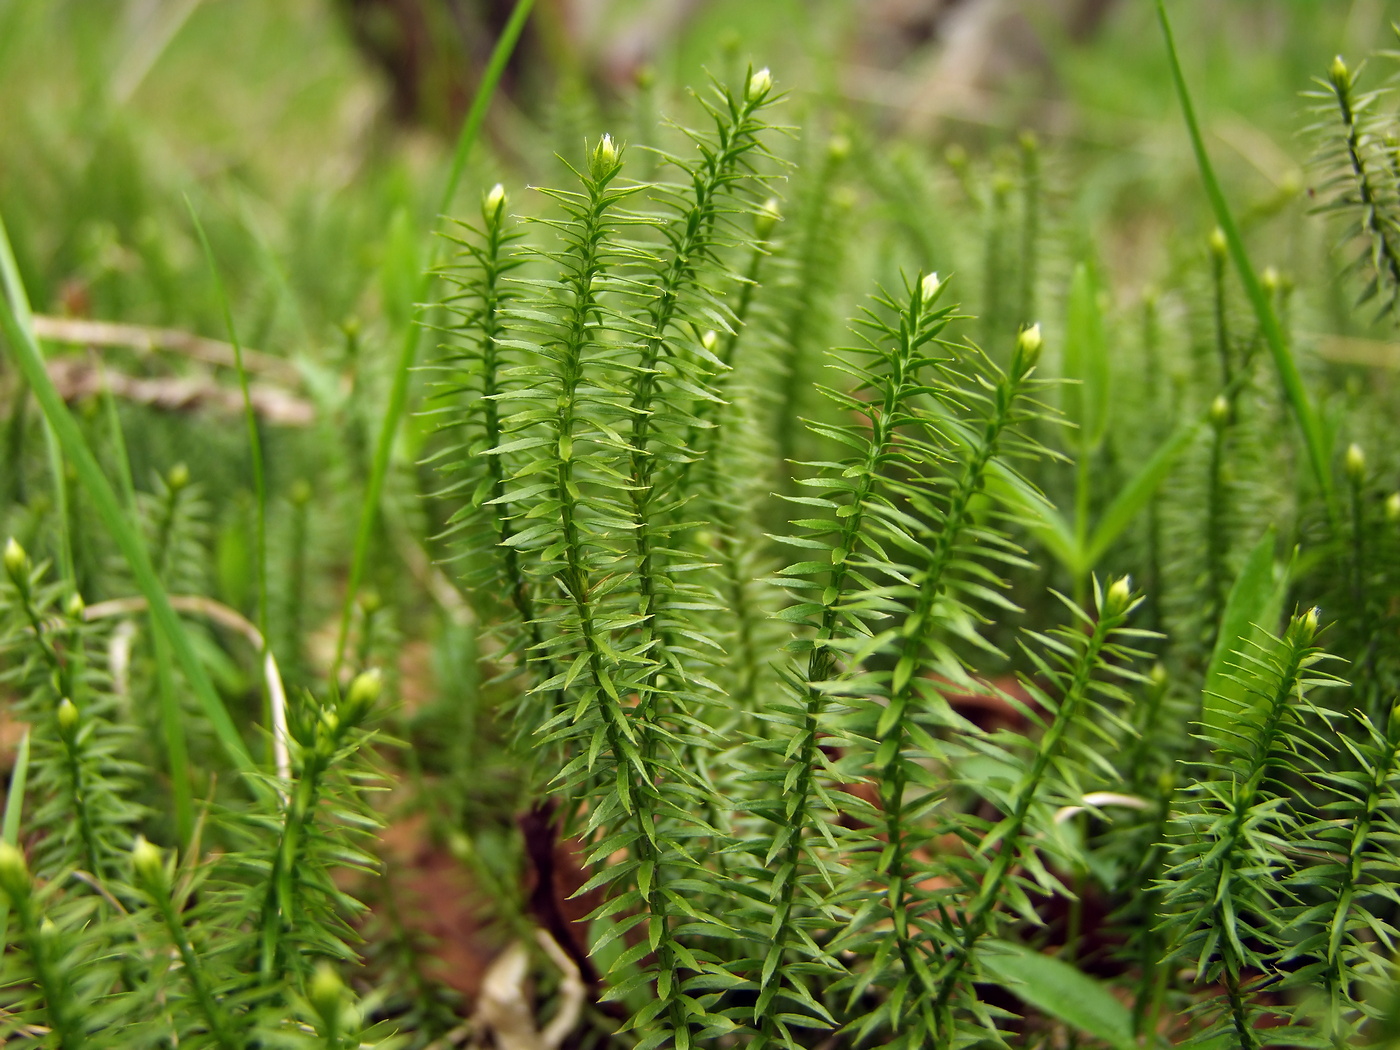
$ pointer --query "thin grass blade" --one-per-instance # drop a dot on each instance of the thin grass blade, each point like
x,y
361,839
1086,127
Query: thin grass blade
x,y
1314,435
25,352
408,348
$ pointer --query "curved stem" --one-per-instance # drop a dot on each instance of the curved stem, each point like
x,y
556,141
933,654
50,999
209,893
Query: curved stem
x,y
902,383
978,916
912,635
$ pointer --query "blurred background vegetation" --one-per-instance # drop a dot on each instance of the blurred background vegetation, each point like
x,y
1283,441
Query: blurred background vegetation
x,y
301,129
312,138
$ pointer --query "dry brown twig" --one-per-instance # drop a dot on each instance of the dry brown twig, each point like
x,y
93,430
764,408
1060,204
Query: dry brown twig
x,y
143,339
239,624
505,1007
77,379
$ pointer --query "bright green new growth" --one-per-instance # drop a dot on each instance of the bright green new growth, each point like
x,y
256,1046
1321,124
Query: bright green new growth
x,y
839,848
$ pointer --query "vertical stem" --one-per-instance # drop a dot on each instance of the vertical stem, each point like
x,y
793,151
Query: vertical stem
x,y
1222,323
1217,539
979,912
408,348
821,664
1030,225
41,941
177,751
993,262
215,1018
913,634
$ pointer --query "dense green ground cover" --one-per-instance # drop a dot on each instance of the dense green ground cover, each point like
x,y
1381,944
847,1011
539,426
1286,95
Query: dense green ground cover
x,y
415,570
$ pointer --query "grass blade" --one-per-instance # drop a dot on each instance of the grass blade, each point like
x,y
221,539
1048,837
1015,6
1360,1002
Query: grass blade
x,y
1135,494
408,349
9,831
1059,989
255,455
26,355
19,300
1314,436
1254,605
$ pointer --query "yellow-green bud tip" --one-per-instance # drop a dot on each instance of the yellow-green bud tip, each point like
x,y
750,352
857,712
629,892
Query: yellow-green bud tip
x,y
760,83
767,217
325,992
495,201
1309,620
74,606
1159,674
709,339
1120,592
1355,464
16,561
363,692
1392,507
838,148
1216,242
1338,72
147,861
301,492
1270,280
67,715
1029,343
460,846
178,477
1219,411
14,872
603,163
929,287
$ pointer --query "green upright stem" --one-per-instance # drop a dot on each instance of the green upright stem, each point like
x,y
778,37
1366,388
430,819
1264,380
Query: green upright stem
x,y
46,958
1220,907
690,247
408,348
1222,322
979,913
912,636
702,440
633,777
1217,541
72,754
993,311
215,1017
491,325
821,663
799,317
1030,225
1386,255
278,913
1363,820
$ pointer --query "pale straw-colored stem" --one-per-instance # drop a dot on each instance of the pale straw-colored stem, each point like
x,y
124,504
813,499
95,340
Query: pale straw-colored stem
x,y
236,622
